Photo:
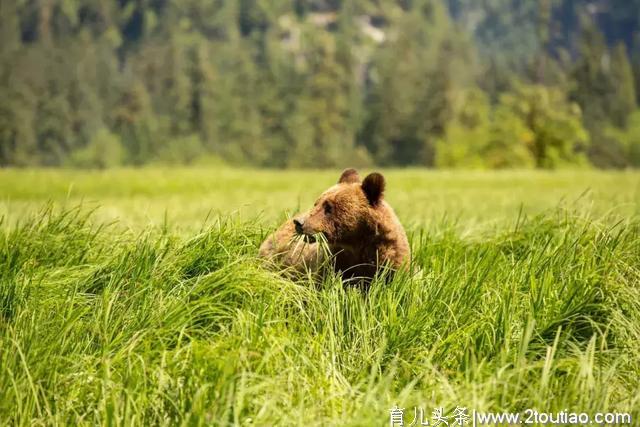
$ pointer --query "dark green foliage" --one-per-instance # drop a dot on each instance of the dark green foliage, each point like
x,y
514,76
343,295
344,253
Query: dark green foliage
x,y
97,84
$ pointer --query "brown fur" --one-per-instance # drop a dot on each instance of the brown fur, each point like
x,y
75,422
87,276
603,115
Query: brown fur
x,y
362,231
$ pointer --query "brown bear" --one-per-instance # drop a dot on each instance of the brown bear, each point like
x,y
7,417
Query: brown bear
x,y
361,231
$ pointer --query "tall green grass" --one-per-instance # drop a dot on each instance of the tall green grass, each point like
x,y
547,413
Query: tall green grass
x,y
103,324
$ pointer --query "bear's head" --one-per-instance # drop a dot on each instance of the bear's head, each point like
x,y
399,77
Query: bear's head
x,y
344,212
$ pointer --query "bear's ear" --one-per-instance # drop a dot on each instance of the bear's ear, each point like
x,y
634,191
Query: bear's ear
x,y
349,176
373,187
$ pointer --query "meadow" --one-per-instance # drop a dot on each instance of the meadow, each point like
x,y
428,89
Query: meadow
x,y
135,297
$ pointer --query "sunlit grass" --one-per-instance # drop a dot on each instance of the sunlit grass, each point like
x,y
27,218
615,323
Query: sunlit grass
x,y
513,302
470,201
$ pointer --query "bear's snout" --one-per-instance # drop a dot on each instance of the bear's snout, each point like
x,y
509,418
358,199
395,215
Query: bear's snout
x,y
299,224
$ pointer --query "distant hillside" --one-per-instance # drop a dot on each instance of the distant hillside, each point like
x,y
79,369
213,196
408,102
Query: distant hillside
x,y
320,83
514,27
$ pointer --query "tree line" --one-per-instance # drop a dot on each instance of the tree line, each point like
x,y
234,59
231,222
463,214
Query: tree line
x,y
320,83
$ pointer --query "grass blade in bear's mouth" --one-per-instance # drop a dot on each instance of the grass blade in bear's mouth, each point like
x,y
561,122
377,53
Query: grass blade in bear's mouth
x,y
307,238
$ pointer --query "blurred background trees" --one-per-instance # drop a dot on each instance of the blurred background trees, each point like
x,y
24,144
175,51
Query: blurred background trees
x,y
320,83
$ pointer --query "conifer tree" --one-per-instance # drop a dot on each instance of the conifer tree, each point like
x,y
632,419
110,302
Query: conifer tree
x,y
622,98
591,81
136,124
324,109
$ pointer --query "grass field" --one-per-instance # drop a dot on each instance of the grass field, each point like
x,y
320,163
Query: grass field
x,y
134,297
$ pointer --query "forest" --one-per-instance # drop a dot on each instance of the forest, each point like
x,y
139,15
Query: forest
x,y
470,84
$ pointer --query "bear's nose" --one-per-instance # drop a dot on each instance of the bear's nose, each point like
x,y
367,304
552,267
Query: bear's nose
x,y
298,222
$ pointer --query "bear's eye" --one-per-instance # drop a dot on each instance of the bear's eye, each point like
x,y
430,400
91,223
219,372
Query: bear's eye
x,y
327,208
